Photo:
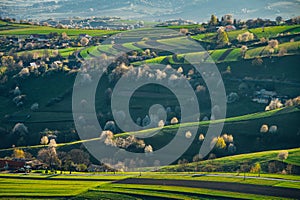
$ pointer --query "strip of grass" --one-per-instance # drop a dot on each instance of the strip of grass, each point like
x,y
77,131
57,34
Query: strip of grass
x,y
43,188
130,46
94,194
46,30
291,47
63,52
238,160
231,177
184,26
217,54
108,48
174,191
234,55
271,31
203,36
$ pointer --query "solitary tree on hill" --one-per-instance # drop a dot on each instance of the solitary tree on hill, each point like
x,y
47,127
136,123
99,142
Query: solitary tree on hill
x,y
213,20
222,38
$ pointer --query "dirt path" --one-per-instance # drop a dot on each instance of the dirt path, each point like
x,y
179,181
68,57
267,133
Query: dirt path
x,y
233,187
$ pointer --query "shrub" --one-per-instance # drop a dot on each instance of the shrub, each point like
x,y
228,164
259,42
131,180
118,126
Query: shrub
x,y
44,140
274,104
161,123
231,148
110,126
148,149
84,41
264,128
244,37
218,142
188,134
107,137
273,44
146,121
174,120
184,31
20,128
256,168
18,153
257,61
283,155
244,48
227,138
81,167
201,137
180,70
282,51
273,129
34,107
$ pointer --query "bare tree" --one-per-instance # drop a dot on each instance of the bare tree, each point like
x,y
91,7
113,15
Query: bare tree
x,y
257,61
282,51
244,168
49,155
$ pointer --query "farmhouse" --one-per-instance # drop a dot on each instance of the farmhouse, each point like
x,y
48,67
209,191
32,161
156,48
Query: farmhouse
x,y
6,164
264,92
39,37
85,35
227,19
263,96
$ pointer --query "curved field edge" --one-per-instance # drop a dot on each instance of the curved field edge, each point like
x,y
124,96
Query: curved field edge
x,y
253,116
173,192
234,54
90,185
237,160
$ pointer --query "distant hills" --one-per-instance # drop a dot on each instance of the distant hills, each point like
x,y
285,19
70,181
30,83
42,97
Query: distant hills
x,y
197,10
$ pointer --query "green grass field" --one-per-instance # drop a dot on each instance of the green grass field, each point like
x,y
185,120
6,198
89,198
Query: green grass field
x,y
43,188
63,52
235,55
23,29
273,31
91,186
238,160
268,32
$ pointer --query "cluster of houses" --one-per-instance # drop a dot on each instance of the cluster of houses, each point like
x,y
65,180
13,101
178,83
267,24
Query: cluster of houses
x,y
104,23
176,22
25,166
20,165
264,96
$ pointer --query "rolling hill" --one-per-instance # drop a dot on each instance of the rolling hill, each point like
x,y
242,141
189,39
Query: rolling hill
x,y
148,9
